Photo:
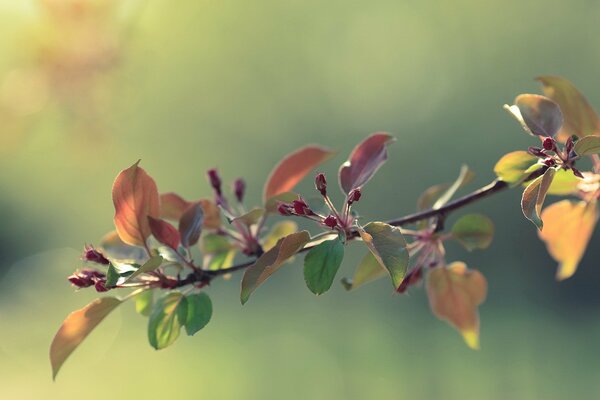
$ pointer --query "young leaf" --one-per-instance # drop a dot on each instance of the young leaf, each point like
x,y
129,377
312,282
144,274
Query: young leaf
x,y
112,276
293,168
454,294
114,248
251,217
474,231
564,183
190,225
217,251
580,117
464,177
168,315
143,302
587,146
388,246
135,198
75,329
164,232
364,161
430,196
172,207
321,265
279,230
148,266
512,167
271,261
541,116
534,196
568,227
199,312
368,270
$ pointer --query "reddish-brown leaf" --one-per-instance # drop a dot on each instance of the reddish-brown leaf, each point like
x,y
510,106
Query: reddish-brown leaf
x,y
172,206
190,225
364,161
164,232
135,198
293,168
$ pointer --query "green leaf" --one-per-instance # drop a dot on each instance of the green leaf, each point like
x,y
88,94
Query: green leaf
x,y
474,231
587,146
538,115
271,261
251,217
388,246
76,327
564,183
143,302
148,266
199,311
112,276
367,271
321,265
168,315
464,177
512,167
218,252
534,196
279,230
580,118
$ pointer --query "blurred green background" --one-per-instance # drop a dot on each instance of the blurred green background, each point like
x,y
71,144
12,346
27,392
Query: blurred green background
x,y
89,87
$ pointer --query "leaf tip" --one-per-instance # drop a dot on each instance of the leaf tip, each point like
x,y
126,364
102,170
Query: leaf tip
x,y
471,338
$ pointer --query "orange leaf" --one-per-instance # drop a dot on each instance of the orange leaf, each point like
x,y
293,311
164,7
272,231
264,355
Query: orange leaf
x,y
293,168
75,329
568,227
135,198
454,293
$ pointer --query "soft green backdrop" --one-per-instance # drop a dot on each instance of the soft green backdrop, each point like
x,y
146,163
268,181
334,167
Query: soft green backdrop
x,y
237,84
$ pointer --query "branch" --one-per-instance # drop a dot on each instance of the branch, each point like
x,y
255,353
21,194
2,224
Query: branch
x,y
442,212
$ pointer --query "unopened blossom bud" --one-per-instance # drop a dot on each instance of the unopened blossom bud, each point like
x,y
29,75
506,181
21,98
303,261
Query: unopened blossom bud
x,y
239,188
93,255
330,221
215,180
284,209
100,286
550,162
321,184
569,144
301,208
354,196
86,277
536,151
549,144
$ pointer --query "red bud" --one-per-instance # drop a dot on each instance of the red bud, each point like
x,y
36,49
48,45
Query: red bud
x,y
354,196
330,221
321,184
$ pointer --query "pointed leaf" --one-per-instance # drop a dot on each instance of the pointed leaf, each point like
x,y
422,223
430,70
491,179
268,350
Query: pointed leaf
x,y
199,312
430,196
512,167
534,196
168,315
454,294
321,265
143,302
279,230
271,261
568,227
540,115
587,146
388,246
368,270
251,217
464,177
148,266
564,183
364,161
190,225
164,232
75,329
474,231
580,118
293,168
135,198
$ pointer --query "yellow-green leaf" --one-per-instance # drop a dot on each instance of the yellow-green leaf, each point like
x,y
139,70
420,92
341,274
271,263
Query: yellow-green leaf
x,y
368,270
512,167
217,251
568,227
271,261
279,230
168,315
251,217
564,183
143,302
534,196
474,231
76,327
464,177
580,118
587,146
454,294
388,246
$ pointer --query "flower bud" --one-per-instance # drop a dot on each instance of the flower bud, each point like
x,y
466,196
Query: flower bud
x,y
215,180
330,221
239,188
284,209
321,184
301,208
354,196
93,255
100,287
550,162
86,277
549,144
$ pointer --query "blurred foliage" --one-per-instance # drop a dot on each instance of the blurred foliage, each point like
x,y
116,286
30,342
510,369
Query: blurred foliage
x,y
197,84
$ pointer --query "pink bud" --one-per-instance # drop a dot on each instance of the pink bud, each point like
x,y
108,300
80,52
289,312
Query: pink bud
x,y
284,209
301,208
100,287
239,188
93,255
330,221
215,180
321,184
354,196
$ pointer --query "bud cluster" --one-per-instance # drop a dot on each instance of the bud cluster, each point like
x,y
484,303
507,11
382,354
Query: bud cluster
x,y
564,158
88,277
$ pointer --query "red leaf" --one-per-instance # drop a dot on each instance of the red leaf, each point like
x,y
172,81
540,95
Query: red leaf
x,y
364,161
135,198
164,232
293,168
